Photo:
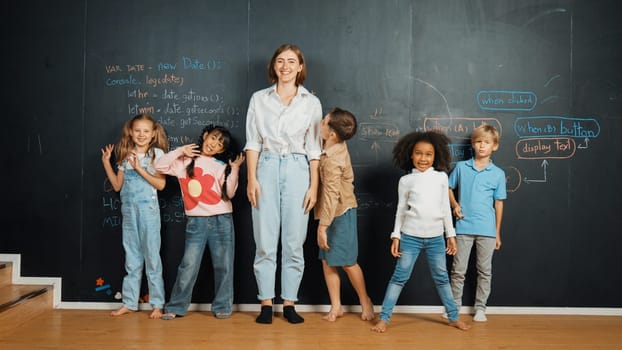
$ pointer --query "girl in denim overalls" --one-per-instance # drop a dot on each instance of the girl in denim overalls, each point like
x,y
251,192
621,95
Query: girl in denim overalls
x,y
142,142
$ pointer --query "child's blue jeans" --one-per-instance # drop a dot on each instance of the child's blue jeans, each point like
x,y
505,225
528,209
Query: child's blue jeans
x,y
410,247
217,233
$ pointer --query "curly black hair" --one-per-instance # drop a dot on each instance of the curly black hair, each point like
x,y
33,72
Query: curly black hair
x,y
403,149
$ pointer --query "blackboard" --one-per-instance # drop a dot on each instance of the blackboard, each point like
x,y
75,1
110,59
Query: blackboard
x,y
181,64
543,72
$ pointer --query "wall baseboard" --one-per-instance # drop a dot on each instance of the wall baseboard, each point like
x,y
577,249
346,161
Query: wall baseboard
x,y
15,259
408,309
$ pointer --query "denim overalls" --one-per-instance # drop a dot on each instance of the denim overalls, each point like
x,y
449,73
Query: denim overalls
x,y
141,237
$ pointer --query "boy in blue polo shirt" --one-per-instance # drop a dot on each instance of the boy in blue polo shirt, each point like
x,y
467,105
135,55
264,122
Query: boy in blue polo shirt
x,y
476,194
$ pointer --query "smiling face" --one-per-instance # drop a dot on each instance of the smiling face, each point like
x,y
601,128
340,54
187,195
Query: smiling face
x,y
423,155
287,66
142,133
213,143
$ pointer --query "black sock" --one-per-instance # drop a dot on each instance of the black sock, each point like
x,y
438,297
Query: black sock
x,y
265,316
290,314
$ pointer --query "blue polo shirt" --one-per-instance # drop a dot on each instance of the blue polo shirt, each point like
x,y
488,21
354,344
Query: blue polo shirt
x,y
476,191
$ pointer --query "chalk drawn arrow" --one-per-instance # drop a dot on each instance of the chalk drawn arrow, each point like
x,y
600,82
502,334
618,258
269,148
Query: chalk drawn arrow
x,y
375,146
582,146
377,114
544,165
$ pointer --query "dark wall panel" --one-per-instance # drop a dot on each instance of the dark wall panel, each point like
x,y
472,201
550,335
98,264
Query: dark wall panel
x,y
544,72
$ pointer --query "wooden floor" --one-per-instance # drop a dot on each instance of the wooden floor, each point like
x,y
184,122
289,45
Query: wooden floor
x,y
89,329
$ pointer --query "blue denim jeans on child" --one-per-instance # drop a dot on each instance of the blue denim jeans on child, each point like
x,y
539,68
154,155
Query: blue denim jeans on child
x,y
284,181
217,233
410,247
141,240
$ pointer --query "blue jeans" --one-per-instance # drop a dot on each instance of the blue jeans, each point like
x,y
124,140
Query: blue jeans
x,y
217,232
141,240
410,247
284,181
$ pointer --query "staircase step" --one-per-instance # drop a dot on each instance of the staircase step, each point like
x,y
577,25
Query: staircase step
x,y
6,273
13,295
21,303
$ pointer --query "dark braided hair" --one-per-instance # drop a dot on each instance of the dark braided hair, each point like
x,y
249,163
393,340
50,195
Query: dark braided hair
x,y
230,151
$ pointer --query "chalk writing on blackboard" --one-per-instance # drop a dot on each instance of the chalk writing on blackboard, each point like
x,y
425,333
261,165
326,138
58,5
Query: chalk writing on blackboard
x,y
111,206
540,137
367,200
513,178
172,209
553,137
556,126
544,166
506,100
175,93
460,151
436,90
584,144
459,127
542,148
379,131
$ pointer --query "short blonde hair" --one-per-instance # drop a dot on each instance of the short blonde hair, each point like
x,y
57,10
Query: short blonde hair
x,y
486,129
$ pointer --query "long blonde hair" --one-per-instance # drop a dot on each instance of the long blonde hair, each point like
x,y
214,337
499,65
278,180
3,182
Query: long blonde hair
x,y
125,145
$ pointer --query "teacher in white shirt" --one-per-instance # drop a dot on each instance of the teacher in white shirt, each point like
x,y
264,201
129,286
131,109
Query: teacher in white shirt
x,y
283,148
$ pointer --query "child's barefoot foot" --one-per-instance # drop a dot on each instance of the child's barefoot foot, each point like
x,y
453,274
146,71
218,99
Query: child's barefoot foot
x,y
333,314
156,314
380,327
122,311
460,325
368,311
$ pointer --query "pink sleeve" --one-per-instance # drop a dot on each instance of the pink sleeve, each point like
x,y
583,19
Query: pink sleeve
x,y
173,163
232,182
